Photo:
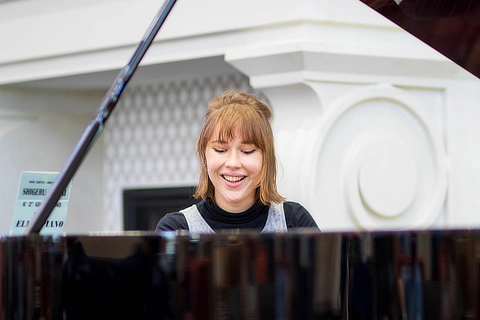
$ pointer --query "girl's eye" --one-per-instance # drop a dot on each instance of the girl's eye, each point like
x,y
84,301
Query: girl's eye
x,y
249,151
218,150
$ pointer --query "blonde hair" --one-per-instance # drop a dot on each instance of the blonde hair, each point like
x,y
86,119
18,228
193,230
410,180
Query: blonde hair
x,y
236,110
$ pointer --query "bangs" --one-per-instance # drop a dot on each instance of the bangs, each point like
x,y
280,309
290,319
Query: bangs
x,y
243,121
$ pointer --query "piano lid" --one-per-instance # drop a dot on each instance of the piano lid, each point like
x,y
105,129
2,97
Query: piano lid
x,y
452,27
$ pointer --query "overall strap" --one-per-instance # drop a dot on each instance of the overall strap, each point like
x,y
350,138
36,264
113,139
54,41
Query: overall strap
x,y
195,221
276,222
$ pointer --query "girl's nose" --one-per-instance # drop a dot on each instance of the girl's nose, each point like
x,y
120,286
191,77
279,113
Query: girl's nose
x,y
233,160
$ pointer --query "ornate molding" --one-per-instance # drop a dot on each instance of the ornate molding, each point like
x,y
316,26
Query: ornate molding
x,y
383,157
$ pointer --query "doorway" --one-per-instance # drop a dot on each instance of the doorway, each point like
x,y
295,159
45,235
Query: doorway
x,y
143,208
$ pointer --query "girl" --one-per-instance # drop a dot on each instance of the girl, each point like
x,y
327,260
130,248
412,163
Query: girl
x,y
237,182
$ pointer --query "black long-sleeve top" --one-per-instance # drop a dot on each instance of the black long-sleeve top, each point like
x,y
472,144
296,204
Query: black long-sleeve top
x,y
255,217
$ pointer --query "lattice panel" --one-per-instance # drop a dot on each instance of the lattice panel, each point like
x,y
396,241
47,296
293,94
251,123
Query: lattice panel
x,y
150,139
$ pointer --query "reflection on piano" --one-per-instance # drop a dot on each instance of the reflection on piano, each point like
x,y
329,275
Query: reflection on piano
x,y
304,275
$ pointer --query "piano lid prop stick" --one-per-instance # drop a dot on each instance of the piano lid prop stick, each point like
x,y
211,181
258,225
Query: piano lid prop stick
x,y
96,125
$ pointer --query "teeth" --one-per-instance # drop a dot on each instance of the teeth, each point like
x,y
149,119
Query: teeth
x,y
232,179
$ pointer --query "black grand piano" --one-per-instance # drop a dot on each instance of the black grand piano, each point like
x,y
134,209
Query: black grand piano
x,y
304,275
415,274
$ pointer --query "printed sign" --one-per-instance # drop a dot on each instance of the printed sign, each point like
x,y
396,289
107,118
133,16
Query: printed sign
x,y
33,188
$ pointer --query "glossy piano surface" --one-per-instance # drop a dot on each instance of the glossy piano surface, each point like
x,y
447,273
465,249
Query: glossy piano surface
x,y
305,275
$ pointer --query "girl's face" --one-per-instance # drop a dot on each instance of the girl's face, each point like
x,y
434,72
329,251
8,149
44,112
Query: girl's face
x,y
234,169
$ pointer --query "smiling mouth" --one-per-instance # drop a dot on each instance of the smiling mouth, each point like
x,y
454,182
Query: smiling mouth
x,y
233,179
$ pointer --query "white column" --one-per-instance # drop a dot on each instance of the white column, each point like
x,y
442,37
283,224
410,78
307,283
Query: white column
x,y
361,151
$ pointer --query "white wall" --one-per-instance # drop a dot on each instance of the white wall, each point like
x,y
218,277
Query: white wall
x,y
38,131
61,38
463,146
